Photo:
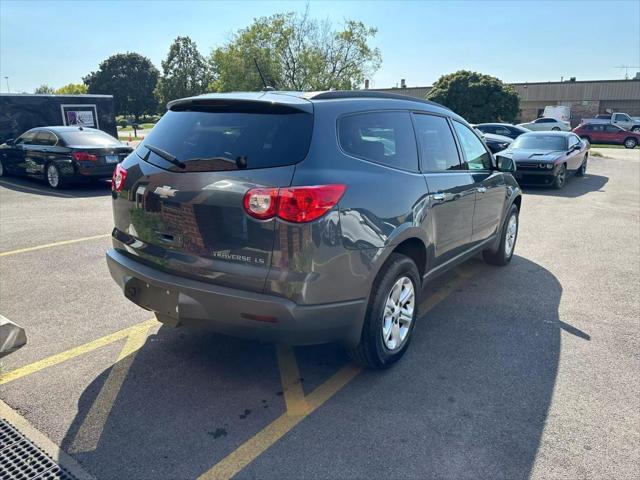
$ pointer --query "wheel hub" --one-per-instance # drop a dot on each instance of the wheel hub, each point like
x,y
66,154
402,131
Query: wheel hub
x,y
398,313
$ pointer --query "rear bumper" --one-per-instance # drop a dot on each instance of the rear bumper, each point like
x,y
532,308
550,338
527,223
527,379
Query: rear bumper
x,y
178,300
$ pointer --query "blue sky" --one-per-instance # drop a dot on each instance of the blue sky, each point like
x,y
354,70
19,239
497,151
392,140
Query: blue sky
x,y
58,42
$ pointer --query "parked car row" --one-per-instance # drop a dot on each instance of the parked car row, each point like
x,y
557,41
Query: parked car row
x,y
62,155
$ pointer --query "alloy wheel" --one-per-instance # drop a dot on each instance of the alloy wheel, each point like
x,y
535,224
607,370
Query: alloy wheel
x,y
53,176
630,143
510,235
398,314
561,176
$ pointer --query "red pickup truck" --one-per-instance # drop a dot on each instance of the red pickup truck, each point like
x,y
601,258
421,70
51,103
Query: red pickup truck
x,y
607,133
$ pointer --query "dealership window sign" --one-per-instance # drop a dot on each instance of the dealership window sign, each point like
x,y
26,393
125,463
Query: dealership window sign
x,y
81,115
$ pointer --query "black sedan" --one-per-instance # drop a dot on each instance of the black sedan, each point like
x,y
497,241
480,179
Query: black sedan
x,y
504,129
496,143
546,158
61,155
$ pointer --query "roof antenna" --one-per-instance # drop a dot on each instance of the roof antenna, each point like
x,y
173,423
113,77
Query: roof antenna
x,y
266,88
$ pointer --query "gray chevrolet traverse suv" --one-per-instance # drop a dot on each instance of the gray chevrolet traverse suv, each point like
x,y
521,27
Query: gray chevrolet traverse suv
x,y
306,217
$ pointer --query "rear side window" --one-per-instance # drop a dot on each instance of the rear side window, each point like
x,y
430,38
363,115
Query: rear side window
x,y
89,138
45,138
437,147
476,155
381,137
208,139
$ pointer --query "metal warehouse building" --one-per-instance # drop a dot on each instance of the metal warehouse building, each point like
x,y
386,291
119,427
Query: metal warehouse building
x,y
586,98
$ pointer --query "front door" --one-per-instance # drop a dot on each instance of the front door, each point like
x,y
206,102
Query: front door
x,y
451,188
488,183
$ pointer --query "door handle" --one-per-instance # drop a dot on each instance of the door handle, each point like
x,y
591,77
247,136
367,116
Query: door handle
x,y
438,197
481,189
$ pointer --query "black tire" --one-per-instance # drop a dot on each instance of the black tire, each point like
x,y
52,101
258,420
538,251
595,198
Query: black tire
x,y
630,142
635,128
372,352
555,129
582,171
60,184
561,177
502,255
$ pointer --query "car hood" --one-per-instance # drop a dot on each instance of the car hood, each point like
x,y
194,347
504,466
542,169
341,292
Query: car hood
x,y
537,155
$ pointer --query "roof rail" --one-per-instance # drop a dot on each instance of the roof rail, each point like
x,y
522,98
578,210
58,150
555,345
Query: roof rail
x,y
337,94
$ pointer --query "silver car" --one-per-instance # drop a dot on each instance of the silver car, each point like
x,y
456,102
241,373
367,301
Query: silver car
x,y
546,123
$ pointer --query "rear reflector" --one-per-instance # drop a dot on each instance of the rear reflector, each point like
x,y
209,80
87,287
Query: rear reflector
x,y
118,178
84,156
293,204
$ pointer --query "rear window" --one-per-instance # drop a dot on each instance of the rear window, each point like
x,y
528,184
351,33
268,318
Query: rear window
x,y
209,139
88,138
381,137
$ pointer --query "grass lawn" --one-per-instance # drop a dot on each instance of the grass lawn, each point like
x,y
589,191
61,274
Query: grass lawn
x,y
599,145
144,126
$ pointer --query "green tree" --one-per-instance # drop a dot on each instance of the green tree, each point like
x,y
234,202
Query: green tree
x,y
72,89
44,89
296,52
185,72
131,79
476,97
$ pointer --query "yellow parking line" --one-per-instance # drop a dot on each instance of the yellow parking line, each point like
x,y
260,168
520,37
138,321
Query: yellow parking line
x,y
291,382
269,435
72,353
55,244
259,443
90,431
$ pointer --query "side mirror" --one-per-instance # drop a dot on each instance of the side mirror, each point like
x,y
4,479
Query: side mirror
x,y
505,164
10,142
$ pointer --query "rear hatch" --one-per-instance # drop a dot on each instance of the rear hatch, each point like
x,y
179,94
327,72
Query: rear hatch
x,y
181,205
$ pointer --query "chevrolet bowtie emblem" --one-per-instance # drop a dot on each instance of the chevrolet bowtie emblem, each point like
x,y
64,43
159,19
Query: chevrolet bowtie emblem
x,y
165,192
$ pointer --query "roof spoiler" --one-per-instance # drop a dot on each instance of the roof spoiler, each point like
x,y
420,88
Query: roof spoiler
x,y
265,102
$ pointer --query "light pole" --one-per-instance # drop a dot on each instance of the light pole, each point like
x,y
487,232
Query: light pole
x,y
7,79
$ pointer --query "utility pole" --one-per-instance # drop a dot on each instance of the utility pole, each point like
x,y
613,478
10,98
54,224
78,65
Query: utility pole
x,y
7,80
626,70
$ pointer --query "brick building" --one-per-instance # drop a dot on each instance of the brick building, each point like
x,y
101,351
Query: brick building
x,y
586,98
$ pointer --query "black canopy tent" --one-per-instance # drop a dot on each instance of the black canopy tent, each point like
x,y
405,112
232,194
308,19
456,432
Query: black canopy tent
x,y
20,112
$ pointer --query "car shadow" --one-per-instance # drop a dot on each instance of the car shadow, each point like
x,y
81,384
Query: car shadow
x,y
35,186
574,187
469,400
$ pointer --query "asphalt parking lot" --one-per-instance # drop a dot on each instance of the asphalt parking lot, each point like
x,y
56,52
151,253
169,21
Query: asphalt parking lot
x,y
528,371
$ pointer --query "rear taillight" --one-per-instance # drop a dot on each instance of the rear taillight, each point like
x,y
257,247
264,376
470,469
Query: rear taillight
x,y
118,178
84,156
293,204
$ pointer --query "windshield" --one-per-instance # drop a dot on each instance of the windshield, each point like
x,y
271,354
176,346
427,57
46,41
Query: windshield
x,y
539,142
88,137
217,140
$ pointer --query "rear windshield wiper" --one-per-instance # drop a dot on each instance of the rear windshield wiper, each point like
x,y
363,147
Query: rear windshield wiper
x,y
165,155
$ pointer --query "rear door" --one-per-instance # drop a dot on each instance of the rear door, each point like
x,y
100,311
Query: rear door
x,y
45,151
489,184
451,187
191,220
